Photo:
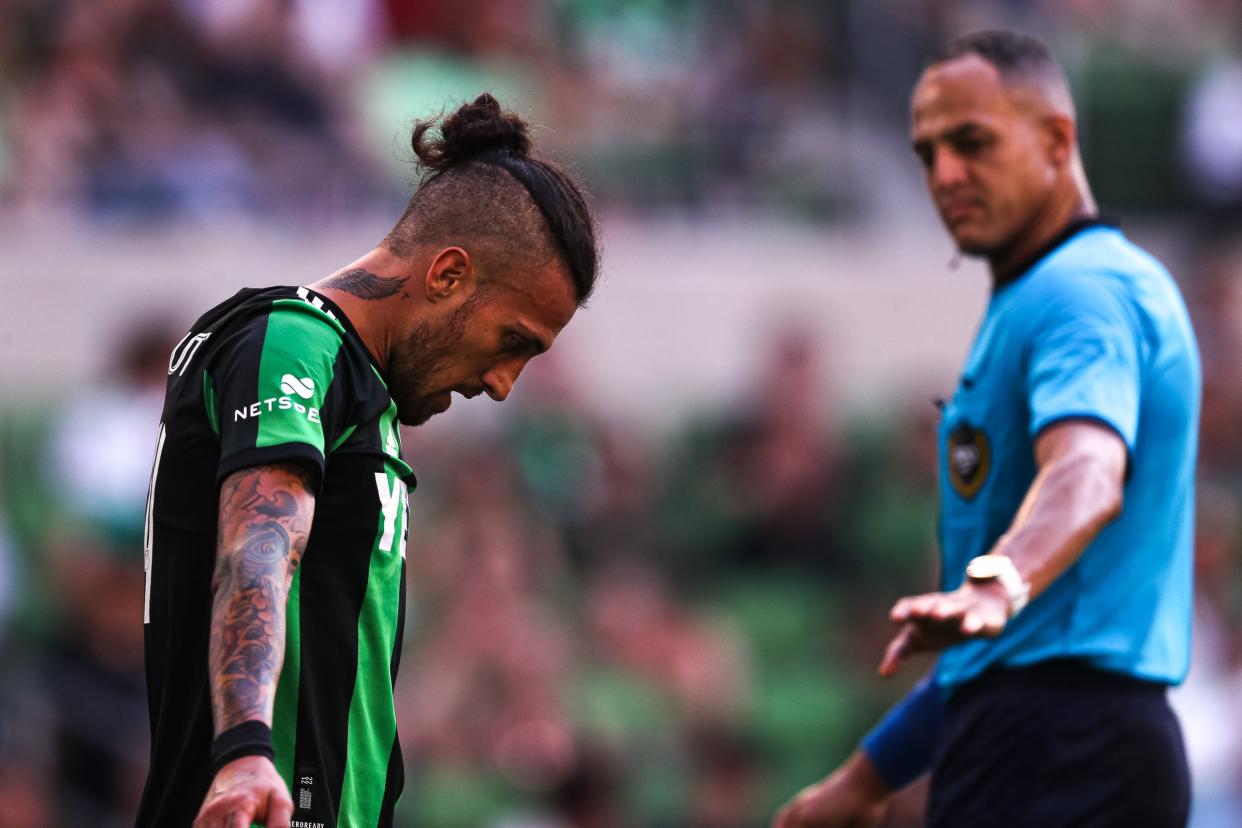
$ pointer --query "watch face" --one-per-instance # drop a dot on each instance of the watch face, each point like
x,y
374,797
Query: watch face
x,y
986,567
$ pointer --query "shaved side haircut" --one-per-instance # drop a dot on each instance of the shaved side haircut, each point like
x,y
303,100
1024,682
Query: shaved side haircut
x,y
1020,59
482,185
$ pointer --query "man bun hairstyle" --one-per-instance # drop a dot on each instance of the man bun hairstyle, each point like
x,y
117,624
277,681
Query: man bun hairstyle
x,y
476,129
481,181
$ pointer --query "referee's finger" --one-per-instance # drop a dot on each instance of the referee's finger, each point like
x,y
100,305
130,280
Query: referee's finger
x,y
898,648
982,623
947,608
905,607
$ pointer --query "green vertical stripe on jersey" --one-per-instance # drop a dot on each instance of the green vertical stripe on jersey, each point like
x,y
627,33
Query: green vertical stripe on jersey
x,y
345,435
301,345
372,718
209,402
285,709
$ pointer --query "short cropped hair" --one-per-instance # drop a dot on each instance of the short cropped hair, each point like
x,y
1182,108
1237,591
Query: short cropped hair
x,y
1015,55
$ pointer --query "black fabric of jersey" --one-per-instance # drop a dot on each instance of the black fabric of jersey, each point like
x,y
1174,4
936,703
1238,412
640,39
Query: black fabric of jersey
x,y
279,375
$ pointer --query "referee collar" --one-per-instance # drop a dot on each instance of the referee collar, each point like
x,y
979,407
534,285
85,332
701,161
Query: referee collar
x,y
1067,232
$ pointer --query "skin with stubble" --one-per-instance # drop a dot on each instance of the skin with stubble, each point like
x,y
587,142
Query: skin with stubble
x,y
1000,158
1001,163
450,329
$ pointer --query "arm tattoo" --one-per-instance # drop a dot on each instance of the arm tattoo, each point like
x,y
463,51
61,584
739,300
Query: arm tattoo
x,y
265,518
366,285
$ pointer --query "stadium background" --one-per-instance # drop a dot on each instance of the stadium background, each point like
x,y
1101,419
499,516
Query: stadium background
x,y
650,590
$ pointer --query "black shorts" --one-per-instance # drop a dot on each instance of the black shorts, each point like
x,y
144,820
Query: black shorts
x,y
1056,745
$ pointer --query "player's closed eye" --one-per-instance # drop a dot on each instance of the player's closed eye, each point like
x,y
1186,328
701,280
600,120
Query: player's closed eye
x,y
514,344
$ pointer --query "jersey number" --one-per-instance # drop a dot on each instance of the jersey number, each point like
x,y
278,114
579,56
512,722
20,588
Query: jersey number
x,y
390,501
181,355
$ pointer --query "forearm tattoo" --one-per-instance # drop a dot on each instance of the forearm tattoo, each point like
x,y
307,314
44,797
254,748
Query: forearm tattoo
x,y
265,518
366,285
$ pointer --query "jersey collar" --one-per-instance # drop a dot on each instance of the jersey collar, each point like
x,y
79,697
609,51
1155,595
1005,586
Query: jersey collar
x,y
343,318
1066,233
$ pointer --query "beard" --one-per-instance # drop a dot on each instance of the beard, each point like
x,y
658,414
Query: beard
x,y
416,360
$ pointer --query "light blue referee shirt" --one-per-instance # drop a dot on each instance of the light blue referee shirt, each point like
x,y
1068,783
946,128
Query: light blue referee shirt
x,y
1095,329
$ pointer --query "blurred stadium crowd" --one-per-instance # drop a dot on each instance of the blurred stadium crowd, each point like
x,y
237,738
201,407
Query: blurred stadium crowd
x,y
171,108
609,626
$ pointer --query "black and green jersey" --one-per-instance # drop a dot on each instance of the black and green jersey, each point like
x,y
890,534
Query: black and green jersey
x,y
278,375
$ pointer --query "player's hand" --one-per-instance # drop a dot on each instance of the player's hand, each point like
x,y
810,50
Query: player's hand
x,y
245,791
932,622
852,797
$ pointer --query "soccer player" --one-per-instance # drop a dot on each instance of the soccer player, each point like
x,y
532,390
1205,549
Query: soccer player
x,y
1067,462
275,539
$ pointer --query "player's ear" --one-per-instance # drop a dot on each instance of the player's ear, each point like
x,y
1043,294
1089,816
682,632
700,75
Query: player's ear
x,y
450,274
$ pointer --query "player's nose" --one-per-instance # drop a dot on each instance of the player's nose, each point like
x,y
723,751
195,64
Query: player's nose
x,y
500,380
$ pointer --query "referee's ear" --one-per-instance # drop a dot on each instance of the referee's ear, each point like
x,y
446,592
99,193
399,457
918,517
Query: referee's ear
x,y
1061,139
450,276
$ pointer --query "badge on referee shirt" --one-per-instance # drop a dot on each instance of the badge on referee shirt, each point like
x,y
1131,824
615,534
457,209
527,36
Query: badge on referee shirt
x,y
969,459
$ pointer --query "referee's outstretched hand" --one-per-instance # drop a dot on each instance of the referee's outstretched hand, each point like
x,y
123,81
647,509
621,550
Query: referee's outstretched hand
x,y
245,791
936,620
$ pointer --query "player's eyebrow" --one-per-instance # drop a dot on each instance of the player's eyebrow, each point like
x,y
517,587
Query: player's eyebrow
x,y
537,342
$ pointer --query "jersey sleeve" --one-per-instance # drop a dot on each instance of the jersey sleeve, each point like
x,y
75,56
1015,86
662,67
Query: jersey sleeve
x,y
272,391
903,745
1085,358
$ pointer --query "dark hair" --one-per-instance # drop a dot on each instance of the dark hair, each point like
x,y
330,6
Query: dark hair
x,y
469,170
474,130
1012,53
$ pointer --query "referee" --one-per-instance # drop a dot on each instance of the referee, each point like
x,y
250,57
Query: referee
x,y
1067,458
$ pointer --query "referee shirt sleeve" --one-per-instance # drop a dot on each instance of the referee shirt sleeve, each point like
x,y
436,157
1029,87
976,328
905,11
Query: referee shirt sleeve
x,y
1084,356
265,391
903,745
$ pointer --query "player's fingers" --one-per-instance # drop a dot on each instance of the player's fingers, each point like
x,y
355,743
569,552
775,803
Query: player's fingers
x,y
279,811
212,815
239,819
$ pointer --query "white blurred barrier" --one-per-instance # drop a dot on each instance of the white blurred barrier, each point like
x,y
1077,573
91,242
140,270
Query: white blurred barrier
x,y
680,317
